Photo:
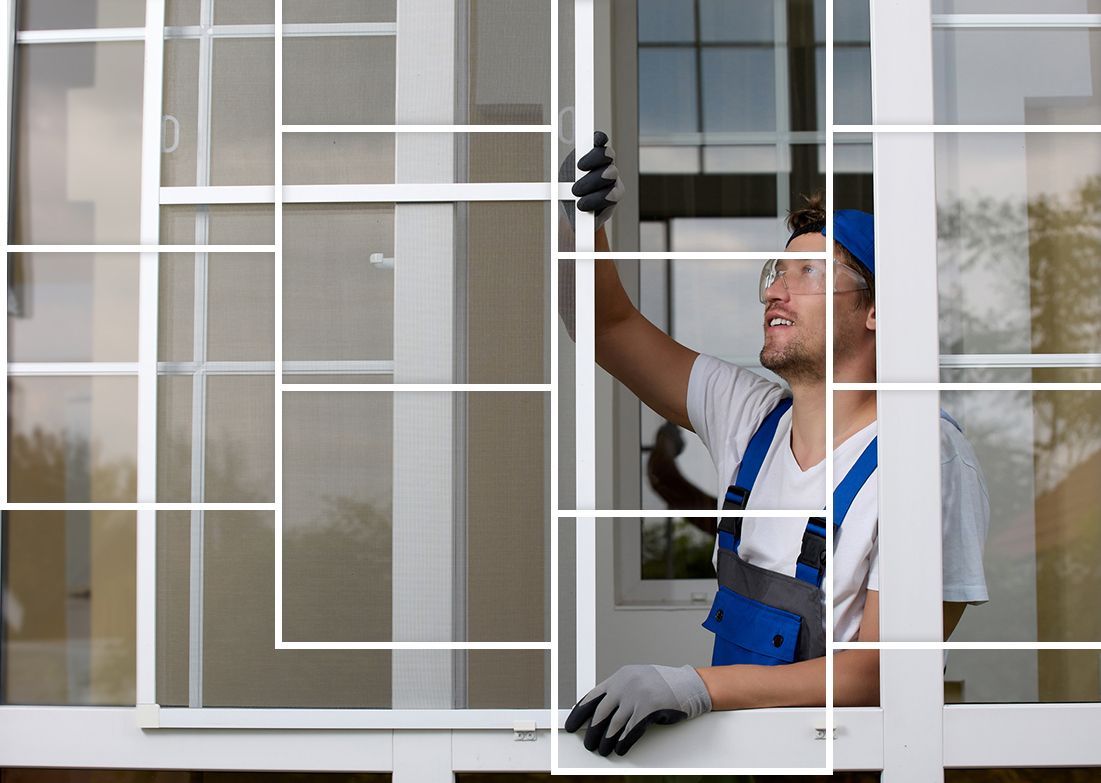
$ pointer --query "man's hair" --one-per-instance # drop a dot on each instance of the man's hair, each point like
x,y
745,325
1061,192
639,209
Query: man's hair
x,y
814,212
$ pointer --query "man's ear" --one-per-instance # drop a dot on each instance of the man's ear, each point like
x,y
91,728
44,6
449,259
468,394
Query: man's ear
x,y
869,322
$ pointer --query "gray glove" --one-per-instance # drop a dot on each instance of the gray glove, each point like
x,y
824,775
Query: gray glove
x,y
622,707
600,190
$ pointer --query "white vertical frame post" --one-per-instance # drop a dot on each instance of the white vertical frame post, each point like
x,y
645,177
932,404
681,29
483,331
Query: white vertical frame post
x,y
585,328
277,262
424,342
148,288
911,692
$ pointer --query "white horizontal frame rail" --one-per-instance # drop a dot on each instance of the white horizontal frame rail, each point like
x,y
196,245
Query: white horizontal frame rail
x,y
1022,735
95,35
532,388
315,740
688,513
1012,360
305,367
418,129
141,248
734,255
933,387
931,128
358,645
733,742
140,507
315,719
1016,21
373,193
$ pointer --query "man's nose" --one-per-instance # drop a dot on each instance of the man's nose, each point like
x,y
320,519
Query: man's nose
x,y
777,291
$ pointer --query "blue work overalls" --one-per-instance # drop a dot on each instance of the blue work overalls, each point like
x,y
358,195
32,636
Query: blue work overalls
x,y
761,616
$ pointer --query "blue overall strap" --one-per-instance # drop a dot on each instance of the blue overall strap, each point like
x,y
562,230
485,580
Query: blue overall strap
x,y
811,565
737,494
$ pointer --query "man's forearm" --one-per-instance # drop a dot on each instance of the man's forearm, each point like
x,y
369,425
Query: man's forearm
x,y
803,684
612,303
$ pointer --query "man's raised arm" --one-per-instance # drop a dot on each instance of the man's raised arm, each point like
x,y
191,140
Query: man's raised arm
x,y
645,359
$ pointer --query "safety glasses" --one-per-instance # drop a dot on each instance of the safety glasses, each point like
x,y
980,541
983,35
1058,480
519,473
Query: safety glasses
x,y
808,277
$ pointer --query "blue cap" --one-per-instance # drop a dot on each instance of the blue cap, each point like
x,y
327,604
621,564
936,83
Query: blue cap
x,y
856,231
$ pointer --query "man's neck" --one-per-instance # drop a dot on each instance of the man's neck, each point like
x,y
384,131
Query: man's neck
x,y
852,412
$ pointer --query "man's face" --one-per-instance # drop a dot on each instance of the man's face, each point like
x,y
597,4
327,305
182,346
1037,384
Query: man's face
x,y
795,324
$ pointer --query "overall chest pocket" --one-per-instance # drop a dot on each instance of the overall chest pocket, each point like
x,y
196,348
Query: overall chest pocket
x,y
748,631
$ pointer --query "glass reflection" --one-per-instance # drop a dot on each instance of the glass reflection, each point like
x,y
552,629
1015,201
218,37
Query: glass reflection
x,y
1019,234
1017,76
83,99
72,308
68,608
72,439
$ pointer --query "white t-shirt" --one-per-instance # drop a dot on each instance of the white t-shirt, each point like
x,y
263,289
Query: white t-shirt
x,y
726,405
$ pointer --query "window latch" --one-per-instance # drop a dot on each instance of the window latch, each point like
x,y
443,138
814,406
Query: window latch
x,y
378,261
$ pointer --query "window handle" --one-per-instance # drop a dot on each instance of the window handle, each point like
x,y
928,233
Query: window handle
x,y
170,121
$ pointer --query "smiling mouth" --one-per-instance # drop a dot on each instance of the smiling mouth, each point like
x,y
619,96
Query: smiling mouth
x,y
777,321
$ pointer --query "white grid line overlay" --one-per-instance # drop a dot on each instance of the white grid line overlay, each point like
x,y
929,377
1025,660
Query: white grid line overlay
x,y
828,582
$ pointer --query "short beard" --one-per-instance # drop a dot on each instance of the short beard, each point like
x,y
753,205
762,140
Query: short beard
x,y
795,365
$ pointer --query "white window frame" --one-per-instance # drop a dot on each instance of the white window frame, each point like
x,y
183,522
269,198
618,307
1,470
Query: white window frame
x,y
913,736
421,744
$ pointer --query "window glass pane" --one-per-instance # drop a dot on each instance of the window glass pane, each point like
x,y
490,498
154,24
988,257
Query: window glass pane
x,y
677,548
345,492
73,439
232,416
852,85
83,99
73,308
234,144
1041,76
181,12
666,21
509,62
180,124
1017,243
69,607
739,89
348,158
667,91
338,11
719,150
236,224
323,80
244,12
1022,676
743,22
242,112
67,15
240,667
217,307
507,292
337,306
1039,452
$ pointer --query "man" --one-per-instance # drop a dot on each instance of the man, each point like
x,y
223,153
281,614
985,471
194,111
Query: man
x,y
747,423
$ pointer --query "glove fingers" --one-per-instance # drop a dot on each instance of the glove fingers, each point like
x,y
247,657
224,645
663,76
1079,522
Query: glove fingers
x,y
596,159
608,743
595,733
595,181
583,711
600,138
632,734
594,202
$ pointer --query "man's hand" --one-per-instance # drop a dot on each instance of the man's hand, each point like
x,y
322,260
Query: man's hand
x,y
621,708
600,190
